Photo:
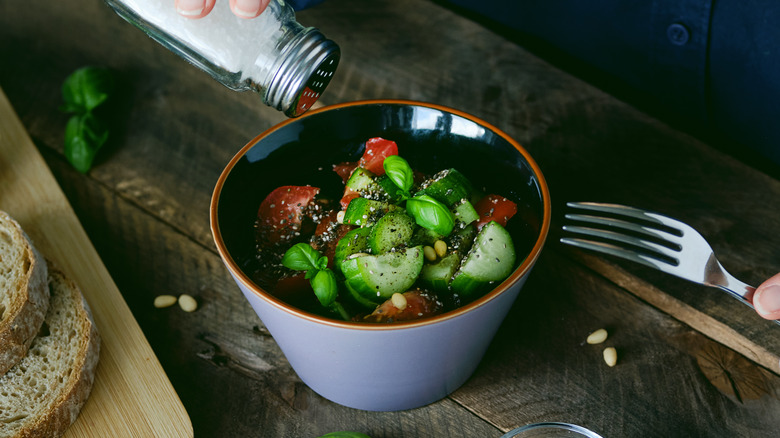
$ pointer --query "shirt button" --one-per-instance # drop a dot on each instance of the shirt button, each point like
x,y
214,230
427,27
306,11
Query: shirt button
x,y
678,34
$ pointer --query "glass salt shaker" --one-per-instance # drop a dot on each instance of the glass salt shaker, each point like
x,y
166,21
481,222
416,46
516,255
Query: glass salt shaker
x,y
287,64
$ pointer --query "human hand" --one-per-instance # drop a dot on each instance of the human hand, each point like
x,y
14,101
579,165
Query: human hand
x,y
241,8
766,299
201,8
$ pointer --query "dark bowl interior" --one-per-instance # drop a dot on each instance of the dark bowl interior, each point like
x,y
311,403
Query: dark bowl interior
x,y
302,151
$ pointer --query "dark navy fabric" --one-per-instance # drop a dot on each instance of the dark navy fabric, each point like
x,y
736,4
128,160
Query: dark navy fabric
x,y
303,4
714,61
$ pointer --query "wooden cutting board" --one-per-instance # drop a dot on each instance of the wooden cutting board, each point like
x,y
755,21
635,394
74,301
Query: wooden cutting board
x,y
132,396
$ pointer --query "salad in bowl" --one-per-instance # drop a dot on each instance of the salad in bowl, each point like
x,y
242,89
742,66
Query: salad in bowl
x,y
381,243
398,245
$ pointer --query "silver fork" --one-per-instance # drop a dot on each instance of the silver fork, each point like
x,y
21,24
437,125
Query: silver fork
x,y
653,240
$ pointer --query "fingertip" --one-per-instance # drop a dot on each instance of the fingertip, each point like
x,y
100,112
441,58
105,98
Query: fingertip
x,y
248,8
209,6
194,9
766,300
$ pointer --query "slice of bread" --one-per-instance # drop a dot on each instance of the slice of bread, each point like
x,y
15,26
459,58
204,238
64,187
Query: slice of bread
x,y
24,294
43,394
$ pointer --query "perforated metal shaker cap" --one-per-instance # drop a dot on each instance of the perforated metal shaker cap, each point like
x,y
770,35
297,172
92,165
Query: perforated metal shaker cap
x,y
307,66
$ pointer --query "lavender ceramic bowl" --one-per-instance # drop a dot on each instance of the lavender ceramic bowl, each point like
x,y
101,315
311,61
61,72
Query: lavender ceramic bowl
x,y
366,366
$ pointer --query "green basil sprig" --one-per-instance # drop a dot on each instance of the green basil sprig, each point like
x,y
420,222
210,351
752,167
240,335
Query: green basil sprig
x,y
84,135
86,88
431,214
302,257
399,172
426,211
84,91
325,287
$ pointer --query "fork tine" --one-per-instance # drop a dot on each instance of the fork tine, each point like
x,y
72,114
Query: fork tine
x,y
624,210
629,226
662,254
617,251
671,254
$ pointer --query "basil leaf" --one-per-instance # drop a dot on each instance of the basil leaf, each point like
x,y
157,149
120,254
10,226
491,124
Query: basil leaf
x,y
325,287
301,257
399,171
322,263
345,435
84,135
431,214
86,88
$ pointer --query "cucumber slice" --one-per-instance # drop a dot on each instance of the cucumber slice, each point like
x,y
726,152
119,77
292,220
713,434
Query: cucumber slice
x,y
395,229
353,242
361,181
491,260
448,187
437,276
365,212
354,297
464,213
377,277
461,240
424,236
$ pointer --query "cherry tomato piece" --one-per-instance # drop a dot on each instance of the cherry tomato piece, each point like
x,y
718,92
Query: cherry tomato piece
x,y
373,159
281,212
327,222
495,208
349,195
377,149
327,235
415,304
345,169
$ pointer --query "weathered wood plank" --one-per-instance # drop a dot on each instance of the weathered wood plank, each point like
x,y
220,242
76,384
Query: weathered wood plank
x,y
679,309
539,367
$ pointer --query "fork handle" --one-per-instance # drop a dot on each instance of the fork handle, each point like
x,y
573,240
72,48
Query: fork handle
x,y
741,291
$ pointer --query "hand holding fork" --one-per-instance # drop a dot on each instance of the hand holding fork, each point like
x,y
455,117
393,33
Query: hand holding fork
x,y
665,244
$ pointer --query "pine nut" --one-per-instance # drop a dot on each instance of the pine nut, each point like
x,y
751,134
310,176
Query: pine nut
x,y
429,253
398,300
340,217
164,301
440,247
610,356
597,337
187,303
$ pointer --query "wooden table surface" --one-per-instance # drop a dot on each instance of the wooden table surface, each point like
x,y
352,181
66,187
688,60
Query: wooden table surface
x,y
692,361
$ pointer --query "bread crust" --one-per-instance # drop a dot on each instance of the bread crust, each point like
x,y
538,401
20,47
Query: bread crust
x,y
53,417
28,298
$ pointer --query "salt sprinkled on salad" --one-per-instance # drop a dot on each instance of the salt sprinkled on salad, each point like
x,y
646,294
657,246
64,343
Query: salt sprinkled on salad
x,y
434,244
